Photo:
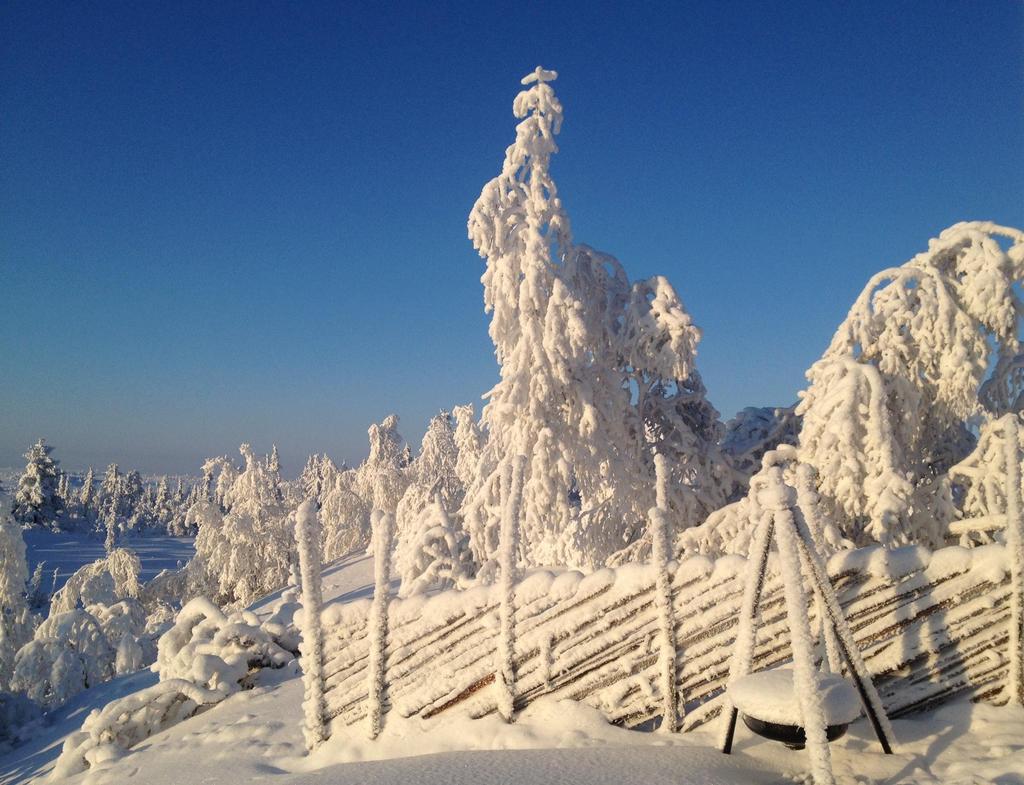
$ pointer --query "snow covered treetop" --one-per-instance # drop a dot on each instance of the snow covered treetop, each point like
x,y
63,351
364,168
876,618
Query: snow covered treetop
x,y
539,75
931,320
518,223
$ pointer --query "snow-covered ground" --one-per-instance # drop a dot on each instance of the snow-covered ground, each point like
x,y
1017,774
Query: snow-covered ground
x,y
67,551
257,736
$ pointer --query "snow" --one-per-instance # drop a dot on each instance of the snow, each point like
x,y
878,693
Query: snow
x,y
565,742
769,696
67,551
892,563
900,425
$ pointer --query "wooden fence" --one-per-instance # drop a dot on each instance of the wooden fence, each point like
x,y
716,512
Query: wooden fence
x,y
930,625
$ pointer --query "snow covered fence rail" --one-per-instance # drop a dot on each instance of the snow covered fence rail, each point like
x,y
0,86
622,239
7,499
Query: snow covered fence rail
x,y
930,625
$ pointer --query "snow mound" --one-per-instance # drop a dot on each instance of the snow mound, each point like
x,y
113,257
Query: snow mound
x,y
769,696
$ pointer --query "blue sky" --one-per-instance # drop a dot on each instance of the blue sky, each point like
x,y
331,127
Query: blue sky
x,y
224,222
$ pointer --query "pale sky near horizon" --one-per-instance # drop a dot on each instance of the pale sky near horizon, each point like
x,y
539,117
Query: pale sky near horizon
x,y
228,222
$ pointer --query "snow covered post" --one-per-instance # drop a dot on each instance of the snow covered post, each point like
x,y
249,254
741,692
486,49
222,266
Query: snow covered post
x,y
1015,546
807,502
843,638
383,532
779,498
307,534
743,653
661,478
508,551
661,550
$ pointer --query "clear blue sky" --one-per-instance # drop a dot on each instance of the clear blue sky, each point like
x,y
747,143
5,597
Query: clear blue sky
x,y
226,222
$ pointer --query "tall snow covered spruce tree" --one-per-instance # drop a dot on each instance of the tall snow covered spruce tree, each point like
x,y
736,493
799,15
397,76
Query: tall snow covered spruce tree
x,y
593,370
35,500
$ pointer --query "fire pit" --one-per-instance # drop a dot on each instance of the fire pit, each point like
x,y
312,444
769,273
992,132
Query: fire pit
x,y
770,707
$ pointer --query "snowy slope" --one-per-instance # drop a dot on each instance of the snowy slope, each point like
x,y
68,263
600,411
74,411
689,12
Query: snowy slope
x,y
257,736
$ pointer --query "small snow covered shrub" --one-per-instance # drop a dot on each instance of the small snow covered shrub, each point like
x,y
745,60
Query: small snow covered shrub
x,y
214,650
69,653
435,553
106,734
104,582
206,656
166,591
125,626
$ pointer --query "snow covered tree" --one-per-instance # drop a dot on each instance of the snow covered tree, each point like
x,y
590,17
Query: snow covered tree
x,y
15,617
433,471
346,515
163,511
274,470
180,503
593,369
111,499
64,500
311,478
226,473
68,653
437,460
980,482
180,494
887,409
87,498
469,444
37,595
36,500
110,541
756,430
206,486
381,476
135,502
249,550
